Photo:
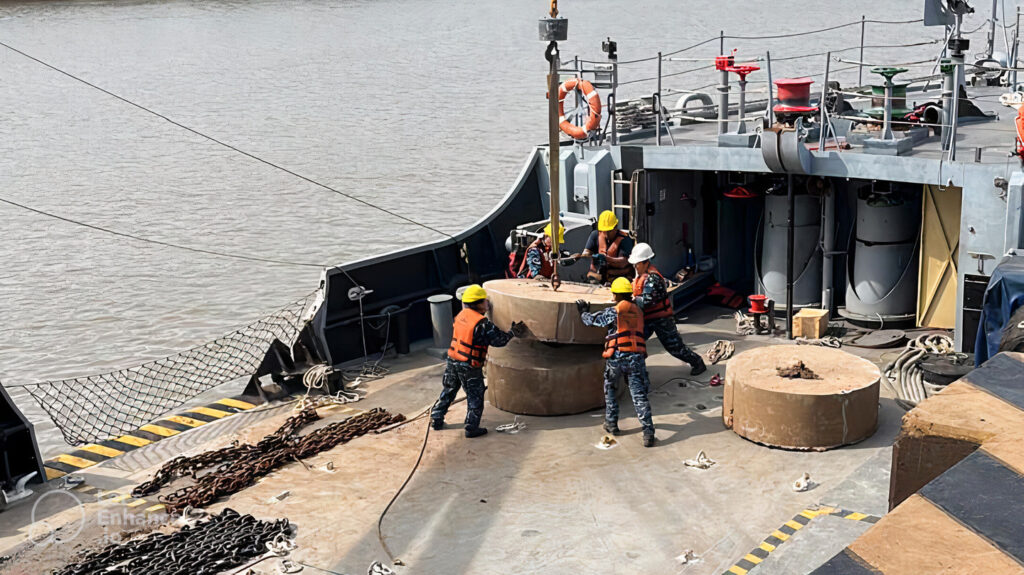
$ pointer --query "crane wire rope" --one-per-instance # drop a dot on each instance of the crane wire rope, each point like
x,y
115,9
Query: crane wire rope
x,y
234,148
159,242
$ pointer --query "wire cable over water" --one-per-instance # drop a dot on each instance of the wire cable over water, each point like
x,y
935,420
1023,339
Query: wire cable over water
x,y
225,144
159,242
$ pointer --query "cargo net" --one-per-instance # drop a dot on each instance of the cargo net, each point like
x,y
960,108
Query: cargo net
x,y
98,407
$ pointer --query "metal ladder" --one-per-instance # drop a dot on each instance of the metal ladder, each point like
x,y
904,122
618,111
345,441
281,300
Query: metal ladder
x,y
634,183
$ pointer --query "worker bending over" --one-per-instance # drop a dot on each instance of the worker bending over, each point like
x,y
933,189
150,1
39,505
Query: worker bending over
x,y
625,349
650,289
608,248
472,334
537,260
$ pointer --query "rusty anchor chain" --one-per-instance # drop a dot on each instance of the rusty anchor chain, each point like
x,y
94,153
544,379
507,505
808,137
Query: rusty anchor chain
x,y
239,466
222,542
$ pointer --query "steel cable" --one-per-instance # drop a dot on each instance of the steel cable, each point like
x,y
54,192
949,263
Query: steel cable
x,y
159,242
225,144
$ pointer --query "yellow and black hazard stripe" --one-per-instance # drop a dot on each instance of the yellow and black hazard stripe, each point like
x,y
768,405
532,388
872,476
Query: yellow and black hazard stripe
x,y
787,530
89,455
966,518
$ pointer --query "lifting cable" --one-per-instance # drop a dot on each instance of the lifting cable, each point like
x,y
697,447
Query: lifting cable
x,y
224,144
162,243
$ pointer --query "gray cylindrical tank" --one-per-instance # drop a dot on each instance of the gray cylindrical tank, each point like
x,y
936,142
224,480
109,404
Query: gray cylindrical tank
x,y
441,319
882,269
771,269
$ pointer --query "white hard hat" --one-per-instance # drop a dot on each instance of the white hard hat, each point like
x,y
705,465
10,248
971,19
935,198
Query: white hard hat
x,y
641,253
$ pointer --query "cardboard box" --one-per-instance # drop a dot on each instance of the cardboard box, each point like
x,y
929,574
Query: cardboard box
x,y
810,323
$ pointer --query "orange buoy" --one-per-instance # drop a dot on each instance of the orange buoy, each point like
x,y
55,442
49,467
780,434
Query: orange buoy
x,y
593,102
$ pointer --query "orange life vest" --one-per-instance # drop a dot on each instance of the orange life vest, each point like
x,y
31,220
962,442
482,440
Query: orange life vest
x,y
1019,123
611,250
629,331
546,269
656,310
462,348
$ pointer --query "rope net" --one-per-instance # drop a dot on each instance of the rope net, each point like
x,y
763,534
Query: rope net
x,y
98,407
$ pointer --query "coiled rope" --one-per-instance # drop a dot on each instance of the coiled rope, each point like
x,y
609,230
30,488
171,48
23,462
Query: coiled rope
x,y
904,376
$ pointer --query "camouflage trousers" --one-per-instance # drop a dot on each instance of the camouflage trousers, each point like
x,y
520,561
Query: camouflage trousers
x,y
634,369
669,337
460,374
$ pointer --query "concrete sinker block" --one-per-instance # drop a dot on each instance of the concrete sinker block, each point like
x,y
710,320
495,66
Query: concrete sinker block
x,y
549,315
834,401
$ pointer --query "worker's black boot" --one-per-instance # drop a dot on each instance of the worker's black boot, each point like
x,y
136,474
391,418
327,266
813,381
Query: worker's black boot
x,y
699,368
476,431
648,440
612,428
437,424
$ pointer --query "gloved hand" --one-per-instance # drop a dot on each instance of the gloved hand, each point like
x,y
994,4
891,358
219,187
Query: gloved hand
x,y
566,261
582,305
600,259
518,329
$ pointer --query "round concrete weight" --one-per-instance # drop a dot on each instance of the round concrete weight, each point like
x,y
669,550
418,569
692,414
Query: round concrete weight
x,y
549,315
534,378
837,408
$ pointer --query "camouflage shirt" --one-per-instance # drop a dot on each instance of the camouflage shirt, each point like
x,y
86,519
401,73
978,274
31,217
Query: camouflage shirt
x,y
486,333
534,263
655,290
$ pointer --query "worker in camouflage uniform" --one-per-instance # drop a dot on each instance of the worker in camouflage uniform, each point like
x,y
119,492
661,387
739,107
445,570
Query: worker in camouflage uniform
x,y
626,351
650,289
537,259
472,334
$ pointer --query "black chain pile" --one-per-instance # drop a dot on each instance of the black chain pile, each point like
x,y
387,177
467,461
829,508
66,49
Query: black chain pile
x,y
240,465
224,541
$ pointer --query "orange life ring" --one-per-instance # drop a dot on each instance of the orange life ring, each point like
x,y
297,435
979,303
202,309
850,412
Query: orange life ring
x,y
593,101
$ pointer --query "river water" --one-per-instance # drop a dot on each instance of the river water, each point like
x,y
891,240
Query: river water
x,y
424,107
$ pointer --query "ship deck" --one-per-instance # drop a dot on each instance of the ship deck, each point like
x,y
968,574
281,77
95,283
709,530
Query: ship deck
x,y
544,500
995,137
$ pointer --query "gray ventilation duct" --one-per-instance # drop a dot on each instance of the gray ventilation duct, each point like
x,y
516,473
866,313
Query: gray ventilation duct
x,y
771,245
883,254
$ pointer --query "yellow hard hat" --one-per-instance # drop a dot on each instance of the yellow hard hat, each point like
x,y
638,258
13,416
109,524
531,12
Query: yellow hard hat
x,y
474,293
622,285
561,232
607,221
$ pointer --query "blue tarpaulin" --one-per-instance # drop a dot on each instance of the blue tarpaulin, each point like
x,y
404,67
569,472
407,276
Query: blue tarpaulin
x,y
1004,294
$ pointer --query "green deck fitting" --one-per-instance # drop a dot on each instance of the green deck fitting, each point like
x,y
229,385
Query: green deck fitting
x,y
899,92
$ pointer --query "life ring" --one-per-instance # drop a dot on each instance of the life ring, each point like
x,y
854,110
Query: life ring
x,y
593,102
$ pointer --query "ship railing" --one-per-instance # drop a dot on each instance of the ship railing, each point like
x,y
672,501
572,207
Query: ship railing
x,y
652,106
